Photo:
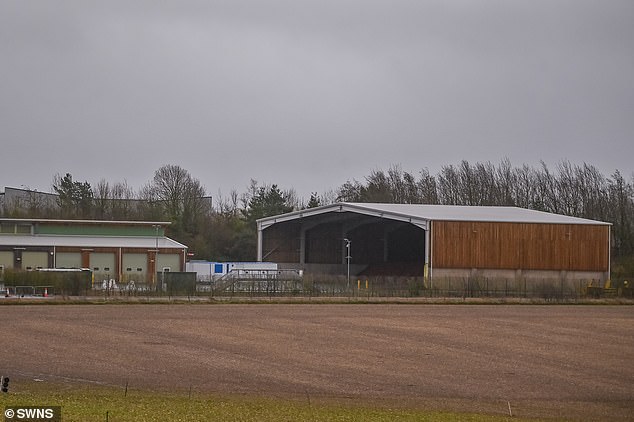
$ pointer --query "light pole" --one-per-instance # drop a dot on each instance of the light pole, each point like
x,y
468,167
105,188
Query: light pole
x,y
156,239
348,242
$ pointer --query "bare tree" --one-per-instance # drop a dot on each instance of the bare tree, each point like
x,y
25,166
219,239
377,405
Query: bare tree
x,y
448,181
328,197
149,206
124,204
547,195
292,199
505,183
181,196
228,205
525,187
396,185
568,192
102,200
594,195
427,188
403,186
350,192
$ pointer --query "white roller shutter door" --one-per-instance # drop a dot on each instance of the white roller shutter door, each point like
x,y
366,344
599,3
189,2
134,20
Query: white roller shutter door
x,y
68,260
34,260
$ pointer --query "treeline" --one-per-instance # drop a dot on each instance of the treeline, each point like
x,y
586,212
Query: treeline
x,y
225,228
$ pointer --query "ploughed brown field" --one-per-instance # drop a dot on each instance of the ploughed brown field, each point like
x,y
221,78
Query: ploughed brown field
x,y
564,361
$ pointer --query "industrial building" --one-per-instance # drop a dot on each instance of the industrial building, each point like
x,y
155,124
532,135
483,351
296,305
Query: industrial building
x,y
122,251
436,241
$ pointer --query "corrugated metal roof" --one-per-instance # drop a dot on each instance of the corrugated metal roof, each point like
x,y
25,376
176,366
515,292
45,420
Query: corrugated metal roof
x,y
473,213
420,212
145,242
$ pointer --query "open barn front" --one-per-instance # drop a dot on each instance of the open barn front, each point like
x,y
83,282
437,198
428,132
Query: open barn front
x,y
333,242
374,246
389,248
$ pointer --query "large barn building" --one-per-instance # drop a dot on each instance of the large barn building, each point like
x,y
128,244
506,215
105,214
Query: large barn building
x,y
436,241
123,251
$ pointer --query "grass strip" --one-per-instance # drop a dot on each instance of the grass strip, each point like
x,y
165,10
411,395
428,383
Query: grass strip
x,y
99,403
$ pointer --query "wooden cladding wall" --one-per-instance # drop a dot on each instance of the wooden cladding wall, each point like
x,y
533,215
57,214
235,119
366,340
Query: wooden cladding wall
x,y
520,246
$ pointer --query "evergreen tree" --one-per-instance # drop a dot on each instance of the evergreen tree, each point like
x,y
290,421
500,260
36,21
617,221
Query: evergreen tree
x,y
75,199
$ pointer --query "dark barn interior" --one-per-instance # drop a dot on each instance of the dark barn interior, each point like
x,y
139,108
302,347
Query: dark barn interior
x,y
378,246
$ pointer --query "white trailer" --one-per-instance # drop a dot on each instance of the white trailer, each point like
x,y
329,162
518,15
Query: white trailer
x,y
208,271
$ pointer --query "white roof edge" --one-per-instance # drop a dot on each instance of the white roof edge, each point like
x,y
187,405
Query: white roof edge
x,y
118,222
91,241
293,215
422,212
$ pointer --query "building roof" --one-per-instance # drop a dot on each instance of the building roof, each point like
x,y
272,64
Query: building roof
x,y
420,214
90,222
145,242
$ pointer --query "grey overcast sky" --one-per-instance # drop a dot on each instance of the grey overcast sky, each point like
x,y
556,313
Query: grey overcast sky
x,y
309,93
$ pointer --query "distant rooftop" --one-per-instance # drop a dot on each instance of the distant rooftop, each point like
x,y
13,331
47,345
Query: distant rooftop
x,y
104,222
149,242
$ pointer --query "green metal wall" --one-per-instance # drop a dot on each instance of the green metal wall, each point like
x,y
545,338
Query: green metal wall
x,y
94,230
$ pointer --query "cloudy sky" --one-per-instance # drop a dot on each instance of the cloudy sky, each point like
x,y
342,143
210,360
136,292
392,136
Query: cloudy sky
x,y
309,93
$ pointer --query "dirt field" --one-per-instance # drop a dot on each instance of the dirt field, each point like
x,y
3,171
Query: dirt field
x,y
560,361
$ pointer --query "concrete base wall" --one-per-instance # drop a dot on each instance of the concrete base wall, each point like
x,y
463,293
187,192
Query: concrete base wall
x,y
596,276
438,273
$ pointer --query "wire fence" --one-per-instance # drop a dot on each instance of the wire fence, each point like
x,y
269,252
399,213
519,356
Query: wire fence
x,y
390,287
185,284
